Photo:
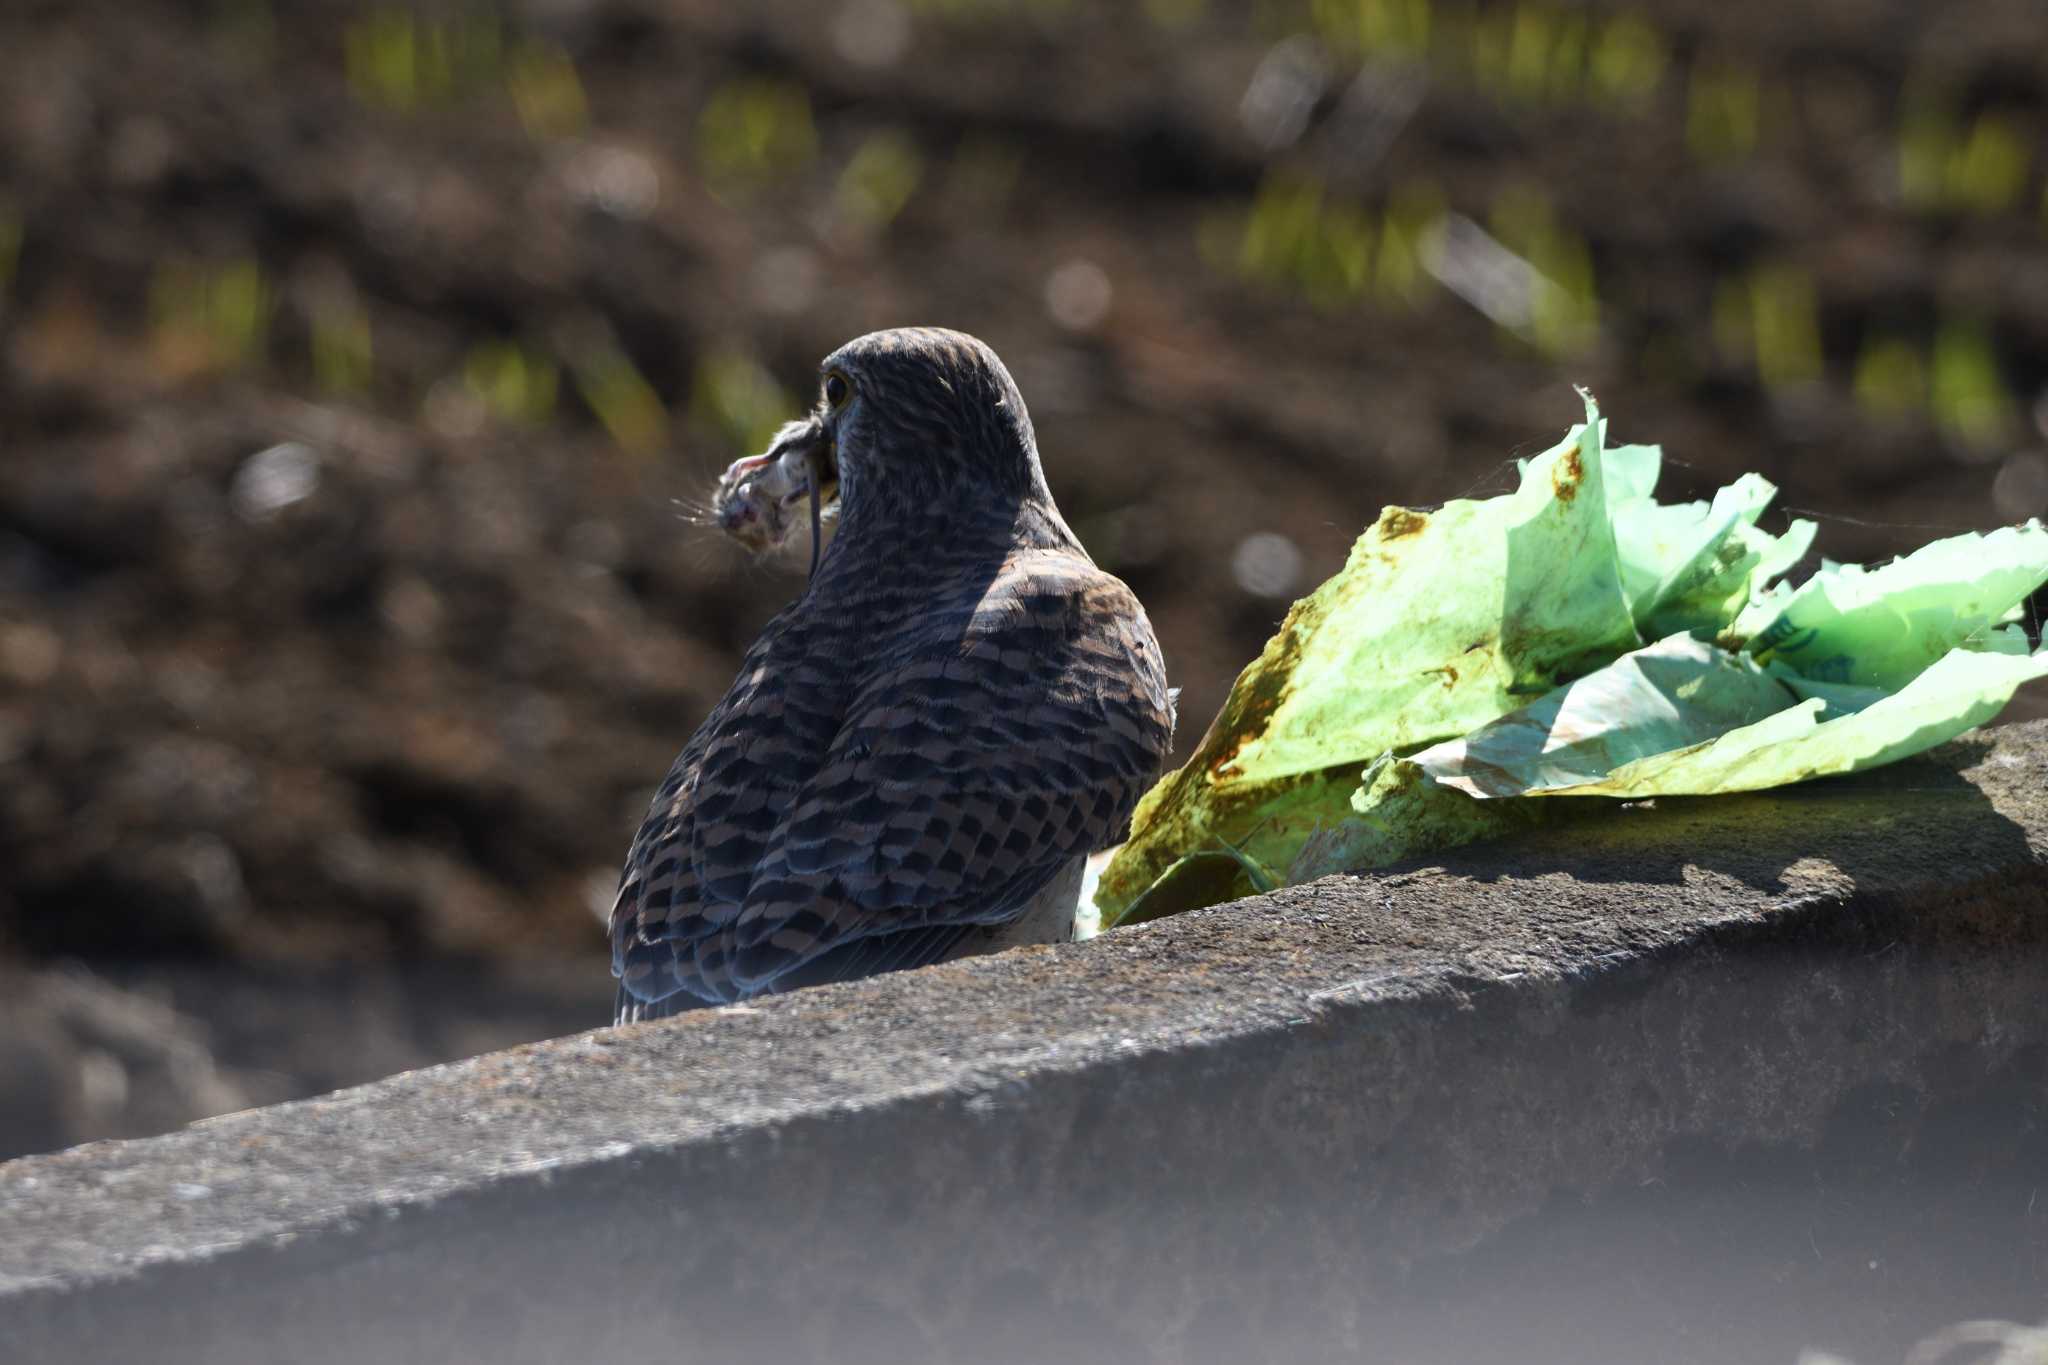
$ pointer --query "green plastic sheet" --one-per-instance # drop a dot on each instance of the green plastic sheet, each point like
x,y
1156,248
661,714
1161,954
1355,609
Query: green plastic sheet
x,y
1572,638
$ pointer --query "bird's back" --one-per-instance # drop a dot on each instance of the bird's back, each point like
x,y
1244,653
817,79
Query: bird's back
x,y
915,749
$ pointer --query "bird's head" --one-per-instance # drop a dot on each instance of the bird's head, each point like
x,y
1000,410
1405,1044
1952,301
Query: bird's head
x,y
918,415
925,416
912,428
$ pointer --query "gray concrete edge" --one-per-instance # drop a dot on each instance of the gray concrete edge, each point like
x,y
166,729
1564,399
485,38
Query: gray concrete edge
x,y
1951,849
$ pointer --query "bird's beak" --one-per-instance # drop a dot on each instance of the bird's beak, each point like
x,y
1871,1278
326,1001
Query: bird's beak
x,y
824,481
807,457
822,461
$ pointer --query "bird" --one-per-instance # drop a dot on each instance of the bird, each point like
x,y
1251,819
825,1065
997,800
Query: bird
x,y
922,748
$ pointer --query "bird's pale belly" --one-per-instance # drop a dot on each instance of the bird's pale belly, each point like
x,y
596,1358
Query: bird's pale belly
x,y
1048,919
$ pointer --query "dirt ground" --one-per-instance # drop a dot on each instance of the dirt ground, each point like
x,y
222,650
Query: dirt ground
x,y
359,367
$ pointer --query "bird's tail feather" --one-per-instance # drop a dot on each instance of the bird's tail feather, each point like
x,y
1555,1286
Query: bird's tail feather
x,y
628,1008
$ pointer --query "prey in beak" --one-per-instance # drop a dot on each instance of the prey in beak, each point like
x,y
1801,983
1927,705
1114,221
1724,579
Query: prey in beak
x,y
758,497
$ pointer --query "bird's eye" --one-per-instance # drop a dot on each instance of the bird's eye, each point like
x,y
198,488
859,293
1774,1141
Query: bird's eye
x,y
836,389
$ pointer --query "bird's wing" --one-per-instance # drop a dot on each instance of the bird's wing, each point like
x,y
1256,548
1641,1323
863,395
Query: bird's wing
x,y
659,872
1013,738
695,854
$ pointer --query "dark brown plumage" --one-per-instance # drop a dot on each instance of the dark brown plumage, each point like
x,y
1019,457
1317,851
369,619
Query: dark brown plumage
x,y
958,708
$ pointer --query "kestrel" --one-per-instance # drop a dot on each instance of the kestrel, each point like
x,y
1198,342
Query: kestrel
x,y
919,751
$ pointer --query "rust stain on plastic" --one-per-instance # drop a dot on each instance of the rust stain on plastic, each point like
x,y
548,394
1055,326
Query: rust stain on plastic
x,y
1397,523
1250,708
1569,474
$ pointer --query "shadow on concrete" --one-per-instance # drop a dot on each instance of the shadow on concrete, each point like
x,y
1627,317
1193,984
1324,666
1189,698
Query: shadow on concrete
x,y
1850,824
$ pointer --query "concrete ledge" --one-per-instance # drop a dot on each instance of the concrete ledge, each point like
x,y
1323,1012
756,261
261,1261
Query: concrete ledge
x,y
1711,1081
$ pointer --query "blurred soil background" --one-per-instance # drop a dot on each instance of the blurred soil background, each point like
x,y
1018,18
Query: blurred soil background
x,y
359,365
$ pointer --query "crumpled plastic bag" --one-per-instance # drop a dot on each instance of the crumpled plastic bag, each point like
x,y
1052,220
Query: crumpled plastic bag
x,y
1572,638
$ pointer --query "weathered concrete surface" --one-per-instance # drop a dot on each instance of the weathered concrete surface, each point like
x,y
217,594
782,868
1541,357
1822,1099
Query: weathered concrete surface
x,y
1707,1082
